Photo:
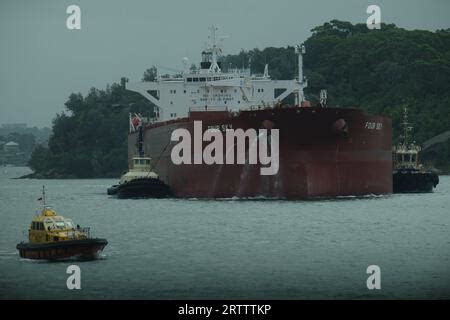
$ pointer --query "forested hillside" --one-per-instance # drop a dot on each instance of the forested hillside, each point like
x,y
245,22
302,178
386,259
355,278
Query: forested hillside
x,y
89,139
376,70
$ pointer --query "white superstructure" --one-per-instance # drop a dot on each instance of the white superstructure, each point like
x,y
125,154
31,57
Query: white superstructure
x,y
211,89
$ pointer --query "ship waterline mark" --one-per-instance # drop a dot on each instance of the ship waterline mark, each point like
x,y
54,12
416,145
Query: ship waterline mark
x,y
241,147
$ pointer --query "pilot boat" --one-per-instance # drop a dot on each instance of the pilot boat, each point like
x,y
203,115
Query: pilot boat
x,y
54,237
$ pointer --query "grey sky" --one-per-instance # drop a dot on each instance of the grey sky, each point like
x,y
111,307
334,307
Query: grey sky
x,y
41,62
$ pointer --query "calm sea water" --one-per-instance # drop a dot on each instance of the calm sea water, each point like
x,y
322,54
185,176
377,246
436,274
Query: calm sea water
x,y
189,249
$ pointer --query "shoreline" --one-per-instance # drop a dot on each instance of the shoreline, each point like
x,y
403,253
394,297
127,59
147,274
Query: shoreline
x,y
54,176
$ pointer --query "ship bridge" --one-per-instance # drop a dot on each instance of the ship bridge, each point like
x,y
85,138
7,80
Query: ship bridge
x,y
210,89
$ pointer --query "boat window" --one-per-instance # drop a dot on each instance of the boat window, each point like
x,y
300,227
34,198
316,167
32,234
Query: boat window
x,y
60,224
69,224
413,158
147,161
195,79
136,161
189,79
202,79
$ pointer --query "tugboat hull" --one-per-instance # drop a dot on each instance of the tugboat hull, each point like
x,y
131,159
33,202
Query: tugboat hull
x,y
82,249
112,190
144,188
414,181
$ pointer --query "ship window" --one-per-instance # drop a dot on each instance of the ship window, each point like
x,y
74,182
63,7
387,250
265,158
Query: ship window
x,y
195,79
413,158
147,161
136,161
184,91
202,79
189,79
142,161
209,78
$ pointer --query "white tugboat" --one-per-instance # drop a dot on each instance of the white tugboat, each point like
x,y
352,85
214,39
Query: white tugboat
x,y
409,174
140,181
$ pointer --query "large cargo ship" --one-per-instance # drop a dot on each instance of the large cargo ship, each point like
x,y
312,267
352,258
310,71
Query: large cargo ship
x,y
322,151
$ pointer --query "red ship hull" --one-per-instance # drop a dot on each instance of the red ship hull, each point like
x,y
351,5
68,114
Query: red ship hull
x,y
323,152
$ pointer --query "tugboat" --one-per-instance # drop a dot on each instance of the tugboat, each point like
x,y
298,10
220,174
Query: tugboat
x,y
140,181
53,237
409,176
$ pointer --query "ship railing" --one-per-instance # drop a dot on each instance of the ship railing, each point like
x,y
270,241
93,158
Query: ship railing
x,y
207,108
72,234
86,231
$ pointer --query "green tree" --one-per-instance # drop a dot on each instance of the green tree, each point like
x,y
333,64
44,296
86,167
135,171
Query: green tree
x,y
150,74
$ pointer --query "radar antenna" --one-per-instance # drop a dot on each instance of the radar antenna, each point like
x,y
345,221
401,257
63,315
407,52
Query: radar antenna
x,y
406,127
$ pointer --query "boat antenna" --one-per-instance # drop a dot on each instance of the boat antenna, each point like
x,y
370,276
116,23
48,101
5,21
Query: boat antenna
x,y
140,141
43,196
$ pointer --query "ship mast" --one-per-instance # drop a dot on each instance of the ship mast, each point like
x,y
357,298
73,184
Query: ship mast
x,y
406,127
140,141
300,51
214,50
